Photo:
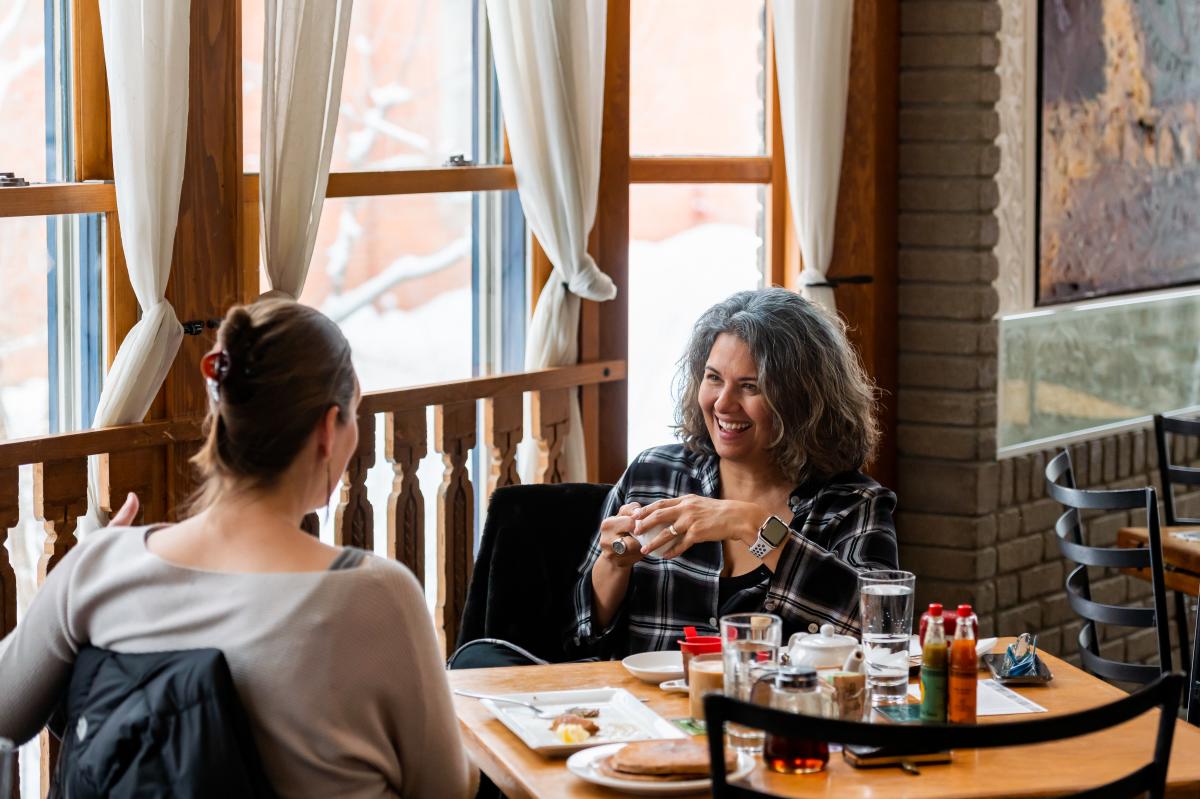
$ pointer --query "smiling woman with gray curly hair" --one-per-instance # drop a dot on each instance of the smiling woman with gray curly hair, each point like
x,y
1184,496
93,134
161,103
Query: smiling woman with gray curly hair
x,y
762,506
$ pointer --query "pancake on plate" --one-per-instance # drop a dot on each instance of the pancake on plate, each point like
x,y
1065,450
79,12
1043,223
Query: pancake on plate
x,y
665,761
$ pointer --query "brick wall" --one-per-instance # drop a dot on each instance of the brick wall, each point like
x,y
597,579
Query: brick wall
x,y
975,529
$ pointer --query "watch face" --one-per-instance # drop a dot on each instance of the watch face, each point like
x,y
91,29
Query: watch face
x,y
775,531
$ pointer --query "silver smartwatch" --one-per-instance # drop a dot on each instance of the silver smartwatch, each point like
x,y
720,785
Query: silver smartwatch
x,y
770,535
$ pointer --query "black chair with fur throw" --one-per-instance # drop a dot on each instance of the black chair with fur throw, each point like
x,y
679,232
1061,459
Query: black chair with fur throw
x,y
534,539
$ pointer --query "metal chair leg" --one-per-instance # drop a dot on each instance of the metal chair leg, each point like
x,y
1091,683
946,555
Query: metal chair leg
x,y
1193,684
1181,624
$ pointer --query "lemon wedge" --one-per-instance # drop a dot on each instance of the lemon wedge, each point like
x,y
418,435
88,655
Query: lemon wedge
x,y
572,733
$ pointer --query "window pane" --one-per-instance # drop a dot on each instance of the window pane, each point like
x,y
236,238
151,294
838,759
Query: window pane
x,y
23,89
24,328
695,245
406,91
391,271
697,77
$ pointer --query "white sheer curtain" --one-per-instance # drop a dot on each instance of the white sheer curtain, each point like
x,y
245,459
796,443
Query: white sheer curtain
x,y
550,66
304,55
146,55
812,58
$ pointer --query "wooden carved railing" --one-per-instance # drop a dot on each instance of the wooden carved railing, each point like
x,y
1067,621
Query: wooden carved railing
x,y
131,458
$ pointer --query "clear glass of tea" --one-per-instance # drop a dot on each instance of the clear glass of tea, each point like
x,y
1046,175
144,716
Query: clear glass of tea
x,y
795,689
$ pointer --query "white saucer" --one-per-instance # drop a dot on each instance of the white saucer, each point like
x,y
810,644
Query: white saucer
x,y
654,667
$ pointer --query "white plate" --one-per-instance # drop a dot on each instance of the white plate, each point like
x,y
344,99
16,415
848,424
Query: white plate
x,y
622,718
655,667
582,765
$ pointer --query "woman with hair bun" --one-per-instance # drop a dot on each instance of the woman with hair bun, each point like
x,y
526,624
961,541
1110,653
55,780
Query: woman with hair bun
x,y
762,506
332,650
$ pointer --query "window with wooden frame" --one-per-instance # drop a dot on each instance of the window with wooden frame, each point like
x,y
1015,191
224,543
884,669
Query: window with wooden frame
x,y
53,224
708,195
421,251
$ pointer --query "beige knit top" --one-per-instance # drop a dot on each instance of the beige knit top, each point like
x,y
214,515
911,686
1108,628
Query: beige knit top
x,y
338,670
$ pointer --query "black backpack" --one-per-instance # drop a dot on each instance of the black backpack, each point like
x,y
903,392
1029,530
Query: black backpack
x,y
155,724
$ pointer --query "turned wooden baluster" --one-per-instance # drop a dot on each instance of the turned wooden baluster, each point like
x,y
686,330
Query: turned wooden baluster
x,y
454,437
9,517
551,414
59,499
140,471
502,428
354,524
405,442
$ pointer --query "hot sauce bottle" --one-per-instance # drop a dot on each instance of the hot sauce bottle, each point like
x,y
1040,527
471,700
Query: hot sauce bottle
x,y
933,668
964,671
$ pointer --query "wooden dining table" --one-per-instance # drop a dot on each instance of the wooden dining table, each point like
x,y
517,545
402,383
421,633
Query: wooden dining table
x,y
1181,556
1040,770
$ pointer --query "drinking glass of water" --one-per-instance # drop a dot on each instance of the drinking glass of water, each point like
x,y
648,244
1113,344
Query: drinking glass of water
x,y
750,645
886,603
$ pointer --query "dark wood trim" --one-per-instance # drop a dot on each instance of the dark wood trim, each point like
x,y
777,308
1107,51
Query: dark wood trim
x,y
92,120
865,239
706,169
777,212
121,438
409,181
497,385
58,198
605,326
206,272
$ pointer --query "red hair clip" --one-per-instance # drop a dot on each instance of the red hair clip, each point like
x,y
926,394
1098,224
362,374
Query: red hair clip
x,y
214,366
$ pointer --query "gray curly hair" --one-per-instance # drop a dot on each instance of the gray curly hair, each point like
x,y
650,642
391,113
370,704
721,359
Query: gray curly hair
x,y
822,401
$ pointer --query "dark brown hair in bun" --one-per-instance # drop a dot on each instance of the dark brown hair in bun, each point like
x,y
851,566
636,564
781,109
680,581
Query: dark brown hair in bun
x,y
284,365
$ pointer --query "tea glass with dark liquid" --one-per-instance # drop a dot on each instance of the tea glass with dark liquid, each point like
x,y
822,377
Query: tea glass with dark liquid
x,y
794,689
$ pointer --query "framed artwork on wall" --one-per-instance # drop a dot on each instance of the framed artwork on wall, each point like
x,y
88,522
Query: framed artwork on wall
x,y
1118,151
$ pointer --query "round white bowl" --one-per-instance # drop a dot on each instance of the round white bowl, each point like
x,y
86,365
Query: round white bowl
x,y
655,667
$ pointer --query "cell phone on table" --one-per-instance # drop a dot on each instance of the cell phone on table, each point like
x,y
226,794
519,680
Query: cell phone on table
x,y
873,756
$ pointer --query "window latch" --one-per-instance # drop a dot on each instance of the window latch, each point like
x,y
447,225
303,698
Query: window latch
x,y
834,282
458,159
8,179
194,327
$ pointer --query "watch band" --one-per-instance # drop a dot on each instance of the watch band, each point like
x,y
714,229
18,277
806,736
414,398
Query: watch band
x,y
761,546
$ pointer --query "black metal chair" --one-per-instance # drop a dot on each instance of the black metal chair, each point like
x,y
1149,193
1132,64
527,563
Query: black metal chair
x,y
533,542
1151,778
8,769
1173,475
1060,484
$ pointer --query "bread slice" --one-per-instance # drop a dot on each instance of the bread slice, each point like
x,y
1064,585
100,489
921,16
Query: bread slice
x,y
688,758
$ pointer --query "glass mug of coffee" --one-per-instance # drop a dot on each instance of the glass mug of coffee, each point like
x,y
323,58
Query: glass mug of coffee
x,y
706,675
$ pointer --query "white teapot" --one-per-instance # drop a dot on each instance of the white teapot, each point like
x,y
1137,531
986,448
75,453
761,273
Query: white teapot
x,y
823,650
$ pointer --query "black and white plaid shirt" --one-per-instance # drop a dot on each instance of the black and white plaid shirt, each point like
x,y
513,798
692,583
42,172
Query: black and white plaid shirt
x,y
839,527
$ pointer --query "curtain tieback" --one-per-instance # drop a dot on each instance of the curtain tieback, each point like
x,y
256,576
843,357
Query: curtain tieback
x,y
276,294
590,283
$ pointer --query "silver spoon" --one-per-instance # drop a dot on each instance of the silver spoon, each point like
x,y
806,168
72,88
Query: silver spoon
x,y
537,711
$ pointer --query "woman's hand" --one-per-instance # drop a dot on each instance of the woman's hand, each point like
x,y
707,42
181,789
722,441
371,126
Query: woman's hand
x,y
620,526
128,512
691,519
